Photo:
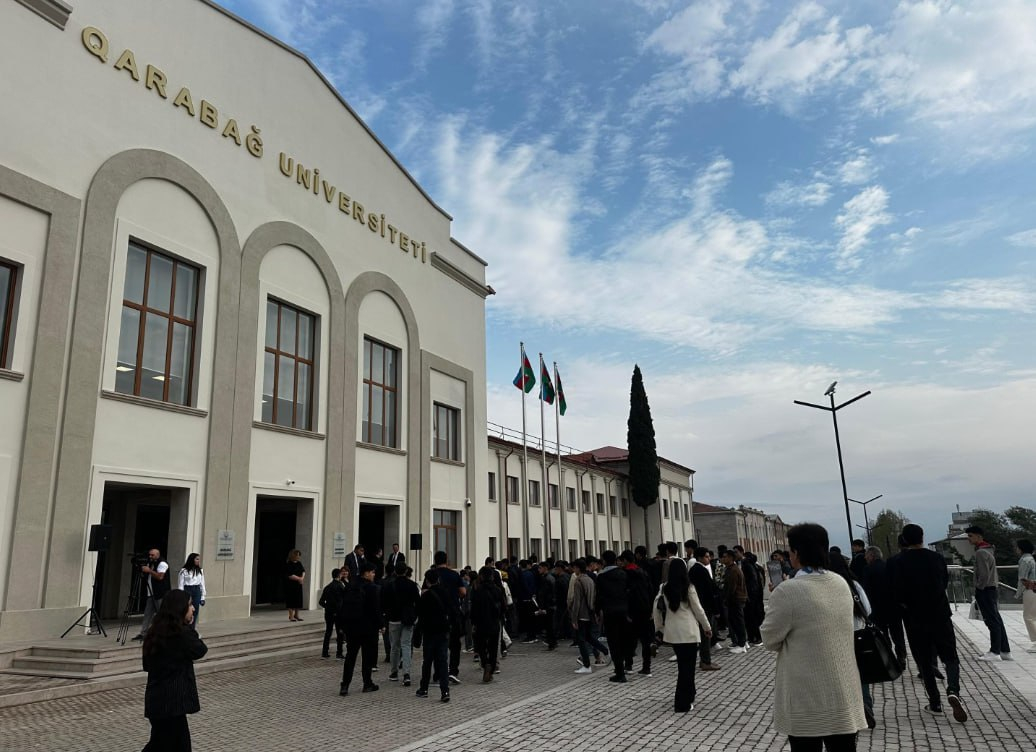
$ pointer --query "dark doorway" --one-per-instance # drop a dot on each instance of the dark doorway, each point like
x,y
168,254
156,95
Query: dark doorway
x,y
275,522
371,532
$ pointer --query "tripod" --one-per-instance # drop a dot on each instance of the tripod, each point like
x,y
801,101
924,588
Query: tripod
x,y
90,614
132,600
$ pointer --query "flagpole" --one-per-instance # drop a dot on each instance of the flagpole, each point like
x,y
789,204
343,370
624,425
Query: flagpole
x,y
562,508
543,461
524,496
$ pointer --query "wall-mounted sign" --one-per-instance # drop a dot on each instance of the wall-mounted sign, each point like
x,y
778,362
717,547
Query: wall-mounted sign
x,y
225,545
338,550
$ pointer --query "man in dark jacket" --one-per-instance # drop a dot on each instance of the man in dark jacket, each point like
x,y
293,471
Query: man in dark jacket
x,y
526,603
639,598
361,617
709,596
858,564
611,602
399,597
434,616
562,624
547,600
884,612
919,578
331,602
754,588
735,595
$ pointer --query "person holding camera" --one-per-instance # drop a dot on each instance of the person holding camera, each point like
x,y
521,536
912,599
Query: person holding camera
x,y
156,581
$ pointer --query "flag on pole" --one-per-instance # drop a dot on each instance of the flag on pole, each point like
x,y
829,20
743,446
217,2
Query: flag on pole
x,y
561,392
546,388
526,377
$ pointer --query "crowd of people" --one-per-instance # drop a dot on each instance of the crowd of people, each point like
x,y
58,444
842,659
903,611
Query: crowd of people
x,y
621,610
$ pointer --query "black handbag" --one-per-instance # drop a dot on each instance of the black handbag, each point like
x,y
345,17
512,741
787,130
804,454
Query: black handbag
x,y
874,657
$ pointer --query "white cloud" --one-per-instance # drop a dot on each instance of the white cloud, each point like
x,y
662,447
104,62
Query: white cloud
x,y
810,195
860,216
885,140
692,31
433,23
1023,239
857,169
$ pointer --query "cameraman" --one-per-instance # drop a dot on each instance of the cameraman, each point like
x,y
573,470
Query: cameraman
x,y
157,583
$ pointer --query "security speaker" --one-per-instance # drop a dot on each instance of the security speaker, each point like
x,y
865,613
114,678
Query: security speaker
x,y
100,538
415,541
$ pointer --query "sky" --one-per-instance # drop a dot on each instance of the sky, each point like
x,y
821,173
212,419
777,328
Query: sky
x,y
748,199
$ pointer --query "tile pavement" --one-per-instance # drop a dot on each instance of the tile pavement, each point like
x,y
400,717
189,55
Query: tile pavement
x,y
537,703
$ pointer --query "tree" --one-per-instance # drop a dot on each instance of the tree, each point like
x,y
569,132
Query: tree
x,y
640,441
1002,530
886,529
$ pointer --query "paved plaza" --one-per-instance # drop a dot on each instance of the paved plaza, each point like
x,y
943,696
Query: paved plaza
x,y
536,704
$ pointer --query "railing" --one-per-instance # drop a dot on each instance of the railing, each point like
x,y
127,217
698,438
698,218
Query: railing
x,y
961,588
535,443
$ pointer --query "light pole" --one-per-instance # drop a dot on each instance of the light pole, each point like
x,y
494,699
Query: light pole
x,y
866,519
838,442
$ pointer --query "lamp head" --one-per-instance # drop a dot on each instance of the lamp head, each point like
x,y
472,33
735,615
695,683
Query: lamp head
x,y
830,389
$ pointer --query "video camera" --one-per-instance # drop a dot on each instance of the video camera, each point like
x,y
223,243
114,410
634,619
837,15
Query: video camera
x,y
139,560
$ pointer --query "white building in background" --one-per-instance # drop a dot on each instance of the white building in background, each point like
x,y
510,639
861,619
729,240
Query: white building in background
x,y
232,322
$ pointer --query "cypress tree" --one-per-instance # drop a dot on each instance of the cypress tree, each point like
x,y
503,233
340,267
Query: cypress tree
x,y
640,440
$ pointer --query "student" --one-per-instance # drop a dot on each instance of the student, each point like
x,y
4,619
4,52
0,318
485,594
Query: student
x,y
361,617
986,583
331,601
433,614
681,623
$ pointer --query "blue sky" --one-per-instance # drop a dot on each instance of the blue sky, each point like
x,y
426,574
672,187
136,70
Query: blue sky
x,y
748,199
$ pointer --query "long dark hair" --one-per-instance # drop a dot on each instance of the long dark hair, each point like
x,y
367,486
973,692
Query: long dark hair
x,y
677,585
168,621
191,566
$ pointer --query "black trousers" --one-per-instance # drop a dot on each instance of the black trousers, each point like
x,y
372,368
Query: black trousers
x,y
686,657
436,651
329,626
642,631
754,618
169,735
549,627
367,644
456,633
893,629
931,640
705,646
736,622
617,629
833,743
487,643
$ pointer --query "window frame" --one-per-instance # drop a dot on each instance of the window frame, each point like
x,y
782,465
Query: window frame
x,y
369,385
8,322
452,439
512,490
570,498
277,354
534,493
552,496
599,503
492,486
450,532
586,502
143,310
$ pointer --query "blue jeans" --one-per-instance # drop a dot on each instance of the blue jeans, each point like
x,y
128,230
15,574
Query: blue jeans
x,y
195,592
400,650
990,610
585,637
437,651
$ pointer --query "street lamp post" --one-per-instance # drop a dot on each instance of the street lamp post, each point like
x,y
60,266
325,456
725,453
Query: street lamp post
x,y
833,409
866,519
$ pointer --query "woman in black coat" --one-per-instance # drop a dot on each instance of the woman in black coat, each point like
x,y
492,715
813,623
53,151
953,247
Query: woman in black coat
x,y
487,613
170,649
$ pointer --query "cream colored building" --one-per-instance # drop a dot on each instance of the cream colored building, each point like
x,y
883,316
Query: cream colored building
x,y
233,323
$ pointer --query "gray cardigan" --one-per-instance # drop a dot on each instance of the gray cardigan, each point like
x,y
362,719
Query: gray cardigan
x,y
985,568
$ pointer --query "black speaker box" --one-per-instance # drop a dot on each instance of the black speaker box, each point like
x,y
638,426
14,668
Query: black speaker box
x,y
415,541
100,537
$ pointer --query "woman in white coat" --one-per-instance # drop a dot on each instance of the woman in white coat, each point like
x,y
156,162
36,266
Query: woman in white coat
x,y
677,622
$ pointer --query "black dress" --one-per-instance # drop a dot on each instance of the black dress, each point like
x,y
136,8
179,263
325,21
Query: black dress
x,y
292,588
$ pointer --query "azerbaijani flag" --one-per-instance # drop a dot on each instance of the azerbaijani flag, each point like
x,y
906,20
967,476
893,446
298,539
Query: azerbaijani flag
x,y
561,393
526,378
546,388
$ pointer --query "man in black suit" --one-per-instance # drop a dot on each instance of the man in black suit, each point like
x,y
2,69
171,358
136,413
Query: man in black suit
x,y
354,561
395,558
709,596
612,603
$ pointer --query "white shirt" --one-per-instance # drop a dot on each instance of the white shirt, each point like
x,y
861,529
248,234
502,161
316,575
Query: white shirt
x,y
189,578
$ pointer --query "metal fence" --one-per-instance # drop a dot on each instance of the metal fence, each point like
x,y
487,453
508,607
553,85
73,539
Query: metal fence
x,y
962,584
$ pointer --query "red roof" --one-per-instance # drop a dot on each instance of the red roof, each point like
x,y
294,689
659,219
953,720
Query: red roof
x,y
698,508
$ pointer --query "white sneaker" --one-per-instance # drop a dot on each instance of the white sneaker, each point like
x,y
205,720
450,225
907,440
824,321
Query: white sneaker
x,y
673,659
990,657
1006,657
738,650
583,670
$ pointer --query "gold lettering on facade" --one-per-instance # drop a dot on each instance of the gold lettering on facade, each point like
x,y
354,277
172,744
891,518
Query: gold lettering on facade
x,y
358,213
230,131
208,114
329,192
183,99
155,79
96,43
302,176
343,203
128,62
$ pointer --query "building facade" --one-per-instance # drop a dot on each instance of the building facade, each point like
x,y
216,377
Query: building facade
x,y
754,529
233,323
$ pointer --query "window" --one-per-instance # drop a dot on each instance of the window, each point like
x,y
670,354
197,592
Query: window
x,y
613,506
625,545
8,287
492,488
492,548
600,503
288,366
687,512
444,533
535,548
570,498
601,547
512,489
514,547
615,547
157,332
552,495
676,510
446,432
586,502
380,393
625,507
534,493
588,548
573,550
555,548
665,508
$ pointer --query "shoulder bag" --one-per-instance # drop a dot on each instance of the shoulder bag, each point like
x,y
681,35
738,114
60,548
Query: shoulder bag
x,y
874,657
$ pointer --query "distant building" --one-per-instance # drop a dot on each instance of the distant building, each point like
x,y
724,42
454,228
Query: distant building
x,y
955,546
754,529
